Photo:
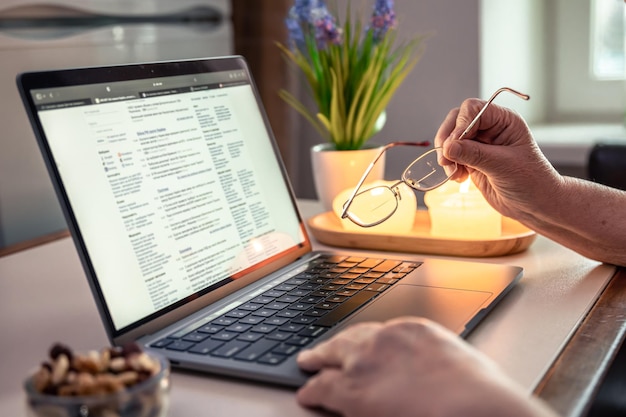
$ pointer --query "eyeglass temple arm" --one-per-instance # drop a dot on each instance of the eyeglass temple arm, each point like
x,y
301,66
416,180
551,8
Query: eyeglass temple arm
x,y
344,212
493,96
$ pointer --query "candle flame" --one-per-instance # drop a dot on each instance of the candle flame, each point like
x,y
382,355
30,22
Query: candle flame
x,y
465,185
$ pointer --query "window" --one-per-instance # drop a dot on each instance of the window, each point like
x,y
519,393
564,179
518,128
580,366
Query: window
x,y
607,39
544,48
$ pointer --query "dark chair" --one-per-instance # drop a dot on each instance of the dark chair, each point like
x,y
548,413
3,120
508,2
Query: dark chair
x,y
607,165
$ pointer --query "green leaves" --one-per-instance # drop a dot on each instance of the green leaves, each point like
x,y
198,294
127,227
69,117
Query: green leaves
x,y
351,82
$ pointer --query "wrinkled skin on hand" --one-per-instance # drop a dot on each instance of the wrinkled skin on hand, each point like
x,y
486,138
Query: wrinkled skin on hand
x,y
405,368
500,154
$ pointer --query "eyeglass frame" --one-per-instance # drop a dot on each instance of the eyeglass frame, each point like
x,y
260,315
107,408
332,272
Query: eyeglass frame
x,y
348,203
404,179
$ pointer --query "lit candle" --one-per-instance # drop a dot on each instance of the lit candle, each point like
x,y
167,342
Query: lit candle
x,y
400,223
459,211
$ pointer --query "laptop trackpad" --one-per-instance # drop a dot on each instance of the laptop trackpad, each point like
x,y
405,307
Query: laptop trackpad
x,y
452,308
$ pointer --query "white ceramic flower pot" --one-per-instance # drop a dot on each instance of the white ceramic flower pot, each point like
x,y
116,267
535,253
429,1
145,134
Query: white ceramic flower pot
x,y
335,171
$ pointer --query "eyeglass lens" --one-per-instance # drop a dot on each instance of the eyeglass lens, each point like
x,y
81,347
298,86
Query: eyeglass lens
x,y
373,206
425,173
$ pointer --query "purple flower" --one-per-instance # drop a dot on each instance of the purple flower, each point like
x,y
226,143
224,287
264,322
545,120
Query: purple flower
x,y
304,9
383,19
296,35
311,17
326,31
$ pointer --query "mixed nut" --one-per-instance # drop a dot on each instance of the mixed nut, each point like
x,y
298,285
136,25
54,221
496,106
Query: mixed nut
x,y
108,371
105,383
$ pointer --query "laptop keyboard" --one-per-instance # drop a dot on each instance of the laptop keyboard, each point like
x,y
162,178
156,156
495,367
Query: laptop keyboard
x,y
279,322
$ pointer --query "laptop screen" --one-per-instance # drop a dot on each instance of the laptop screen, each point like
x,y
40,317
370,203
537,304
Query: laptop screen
x,y
172,177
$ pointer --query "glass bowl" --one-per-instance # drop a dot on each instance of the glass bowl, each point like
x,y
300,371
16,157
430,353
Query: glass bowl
x,y
149,398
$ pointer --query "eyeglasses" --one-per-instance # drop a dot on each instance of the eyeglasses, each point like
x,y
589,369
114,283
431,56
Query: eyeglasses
x,y
376,204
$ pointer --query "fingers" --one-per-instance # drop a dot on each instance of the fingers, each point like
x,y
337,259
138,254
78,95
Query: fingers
x,y
331,387
452,128
323,390
479,147
464,152
477,157
335,351
315,359
458,120
364,366
447,126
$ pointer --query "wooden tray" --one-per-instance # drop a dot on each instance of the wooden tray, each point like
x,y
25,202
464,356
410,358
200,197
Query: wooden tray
x,y
327,229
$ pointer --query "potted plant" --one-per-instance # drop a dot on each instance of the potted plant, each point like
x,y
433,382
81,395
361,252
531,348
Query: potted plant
x,y
352,71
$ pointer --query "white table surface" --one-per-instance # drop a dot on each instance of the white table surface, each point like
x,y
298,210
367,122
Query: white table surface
x,y
44,298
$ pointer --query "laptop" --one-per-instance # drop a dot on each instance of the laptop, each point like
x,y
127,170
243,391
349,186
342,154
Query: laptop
x,y
188,229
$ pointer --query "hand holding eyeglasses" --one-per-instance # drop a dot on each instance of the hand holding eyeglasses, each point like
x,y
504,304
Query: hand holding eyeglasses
x,y
430,170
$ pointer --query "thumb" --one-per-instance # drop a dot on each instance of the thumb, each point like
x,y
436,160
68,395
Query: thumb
x,y
491,160
465,152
